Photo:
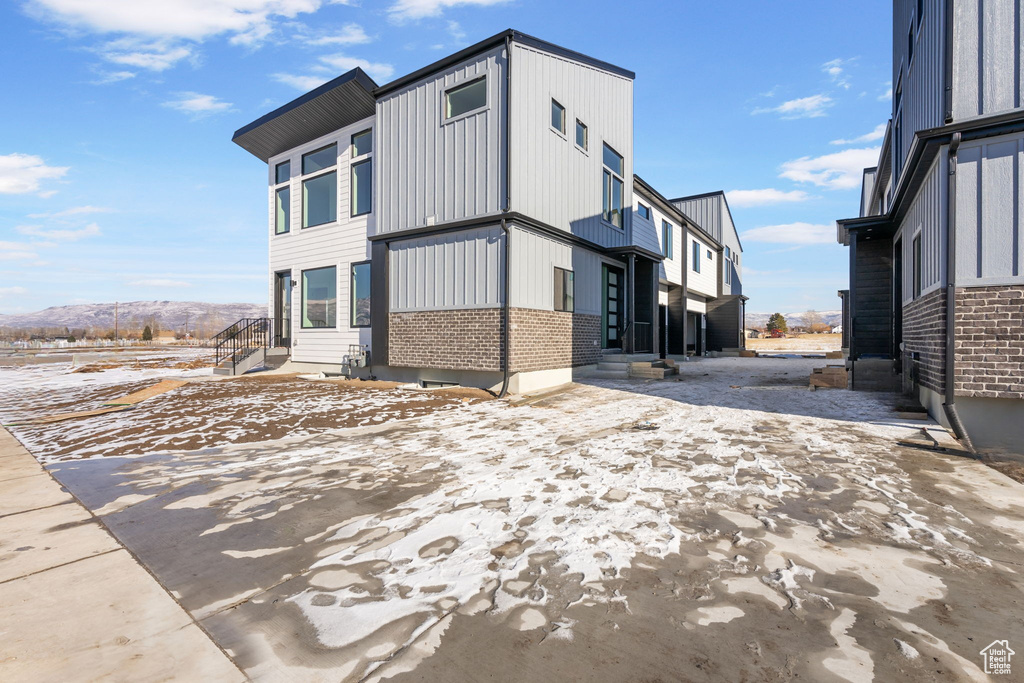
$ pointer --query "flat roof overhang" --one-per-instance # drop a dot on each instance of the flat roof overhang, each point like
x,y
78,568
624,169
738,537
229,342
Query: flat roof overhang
x,y
335,104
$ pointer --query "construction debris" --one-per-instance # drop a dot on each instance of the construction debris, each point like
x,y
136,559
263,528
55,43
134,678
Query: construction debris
x,y
831,376
117,405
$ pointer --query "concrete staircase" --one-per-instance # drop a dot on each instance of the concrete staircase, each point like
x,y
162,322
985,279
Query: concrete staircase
x,y
240,366
873,374
636,365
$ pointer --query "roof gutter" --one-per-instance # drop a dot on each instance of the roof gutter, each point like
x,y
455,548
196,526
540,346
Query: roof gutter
x,y
949,405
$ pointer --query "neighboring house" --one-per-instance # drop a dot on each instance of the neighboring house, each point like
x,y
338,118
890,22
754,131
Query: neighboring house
x,y
165,335
470,222
936,298
696,268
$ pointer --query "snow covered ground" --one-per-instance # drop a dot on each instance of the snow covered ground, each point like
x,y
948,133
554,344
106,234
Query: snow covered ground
x,y
760,530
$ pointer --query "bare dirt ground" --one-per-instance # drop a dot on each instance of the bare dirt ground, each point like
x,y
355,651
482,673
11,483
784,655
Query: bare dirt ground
x,y
761,532
797,343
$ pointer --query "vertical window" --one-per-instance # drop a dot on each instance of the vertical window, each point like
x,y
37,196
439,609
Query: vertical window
x,y
582,139
360,295
465,98
696,257
910,44
666,239
920,13
320,192
362,143
362,188
282,198
644,211
613,186
727,266
917,265
320,297
565,295
558,117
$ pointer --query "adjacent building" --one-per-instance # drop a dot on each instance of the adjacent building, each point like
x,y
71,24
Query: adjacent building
x,y
936,297
475,222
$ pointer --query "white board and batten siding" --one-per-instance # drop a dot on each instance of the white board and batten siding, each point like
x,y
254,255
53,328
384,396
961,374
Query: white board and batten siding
x,y
705,282
435,170
926,219
337,244
533,260
989,209
450,271
989,33
553,180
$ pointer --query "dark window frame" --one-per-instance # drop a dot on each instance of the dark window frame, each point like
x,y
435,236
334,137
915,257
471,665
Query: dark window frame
x,y
916,265
302,299
351,184
667,239
609,177
696,256
352,143
302,162
287,212
277,172
561,110
352,291
315,175
643,210
567,302
585,147
446,101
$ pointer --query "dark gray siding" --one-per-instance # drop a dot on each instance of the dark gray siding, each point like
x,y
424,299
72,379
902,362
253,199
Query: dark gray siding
x,y
872,285
725,323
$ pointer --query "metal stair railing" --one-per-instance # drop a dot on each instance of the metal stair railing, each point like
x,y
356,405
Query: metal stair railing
x,y
242,339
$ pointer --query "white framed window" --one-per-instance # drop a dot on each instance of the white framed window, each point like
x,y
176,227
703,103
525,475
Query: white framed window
x,y
582,135
557,116
465,98
320,186
614,168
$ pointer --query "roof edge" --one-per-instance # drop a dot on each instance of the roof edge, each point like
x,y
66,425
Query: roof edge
x,y
649,189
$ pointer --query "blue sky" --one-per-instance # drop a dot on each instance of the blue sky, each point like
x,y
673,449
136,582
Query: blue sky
x,y
119,180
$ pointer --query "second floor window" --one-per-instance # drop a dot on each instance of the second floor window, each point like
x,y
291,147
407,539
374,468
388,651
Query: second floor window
x,y
614,171
644,211
320,186
282,198
582,139
666,239
361,182
558,117
465,98
696,257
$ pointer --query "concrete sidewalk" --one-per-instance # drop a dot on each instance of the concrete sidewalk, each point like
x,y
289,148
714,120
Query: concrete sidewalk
x,y
74,604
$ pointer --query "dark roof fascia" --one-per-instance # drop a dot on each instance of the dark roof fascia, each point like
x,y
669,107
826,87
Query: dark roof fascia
x,y
705,195
490,43
636,250
668,207
356,74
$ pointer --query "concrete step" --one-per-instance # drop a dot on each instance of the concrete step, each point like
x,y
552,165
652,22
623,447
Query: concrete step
x,y
609,374
628,357
611,367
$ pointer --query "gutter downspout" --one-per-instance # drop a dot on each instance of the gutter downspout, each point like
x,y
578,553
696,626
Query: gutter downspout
x,y
506,313
949,405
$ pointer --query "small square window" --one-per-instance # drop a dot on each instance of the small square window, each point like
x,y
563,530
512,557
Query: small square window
x,y
283,172
644,211
465,98
564,290
322,158
582,139
558,117
709,254
362,143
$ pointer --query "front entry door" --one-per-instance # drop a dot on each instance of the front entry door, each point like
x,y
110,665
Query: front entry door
x,y
612,310
283,309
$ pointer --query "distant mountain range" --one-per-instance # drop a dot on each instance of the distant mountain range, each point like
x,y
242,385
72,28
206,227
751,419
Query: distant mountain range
x,y
169,315
833,318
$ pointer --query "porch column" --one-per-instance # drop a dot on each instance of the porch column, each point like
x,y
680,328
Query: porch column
x,y
628,342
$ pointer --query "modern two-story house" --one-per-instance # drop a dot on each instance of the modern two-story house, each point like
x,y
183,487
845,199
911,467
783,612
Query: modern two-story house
x,y
936,298
469,223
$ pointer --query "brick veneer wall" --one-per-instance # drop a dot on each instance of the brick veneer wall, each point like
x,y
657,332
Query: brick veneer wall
x,y
471,339
924,332
990,342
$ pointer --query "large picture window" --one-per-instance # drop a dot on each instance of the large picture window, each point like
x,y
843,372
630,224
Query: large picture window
x,y
320,297
614,169
565,294
320,192
360,295
465,98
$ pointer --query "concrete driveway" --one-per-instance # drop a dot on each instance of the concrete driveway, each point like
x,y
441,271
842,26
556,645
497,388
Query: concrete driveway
x,y
752,531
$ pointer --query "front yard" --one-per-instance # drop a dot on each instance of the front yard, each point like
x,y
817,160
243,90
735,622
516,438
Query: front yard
x,y
752,531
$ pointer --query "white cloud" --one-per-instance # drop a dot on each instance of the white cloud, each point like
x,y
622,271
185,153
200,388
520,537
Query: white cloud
x,y
349,34
4,291
877,134
17,251
836,72
836,171
418,9
456,32
800,108
60,234
887,95
23,174
154,55
343,63
800,234
160,283
302,83
764,197
113,77
73,211
198,104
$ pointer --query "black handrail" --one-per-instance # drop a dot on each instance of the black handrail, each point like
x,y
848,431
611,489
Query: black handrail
x,y
242,339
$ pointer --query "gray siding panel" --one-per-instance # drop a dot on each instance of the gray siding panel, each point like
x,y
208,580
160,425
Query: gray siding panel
x,y
706,211
927,217
922,76
989,206
450,271
987,32
534,258
552,180
430,168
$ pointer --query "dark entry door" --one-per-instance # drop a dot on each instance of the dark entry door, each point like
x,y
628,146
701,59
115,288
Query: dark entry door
x,y
283,309
612,310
